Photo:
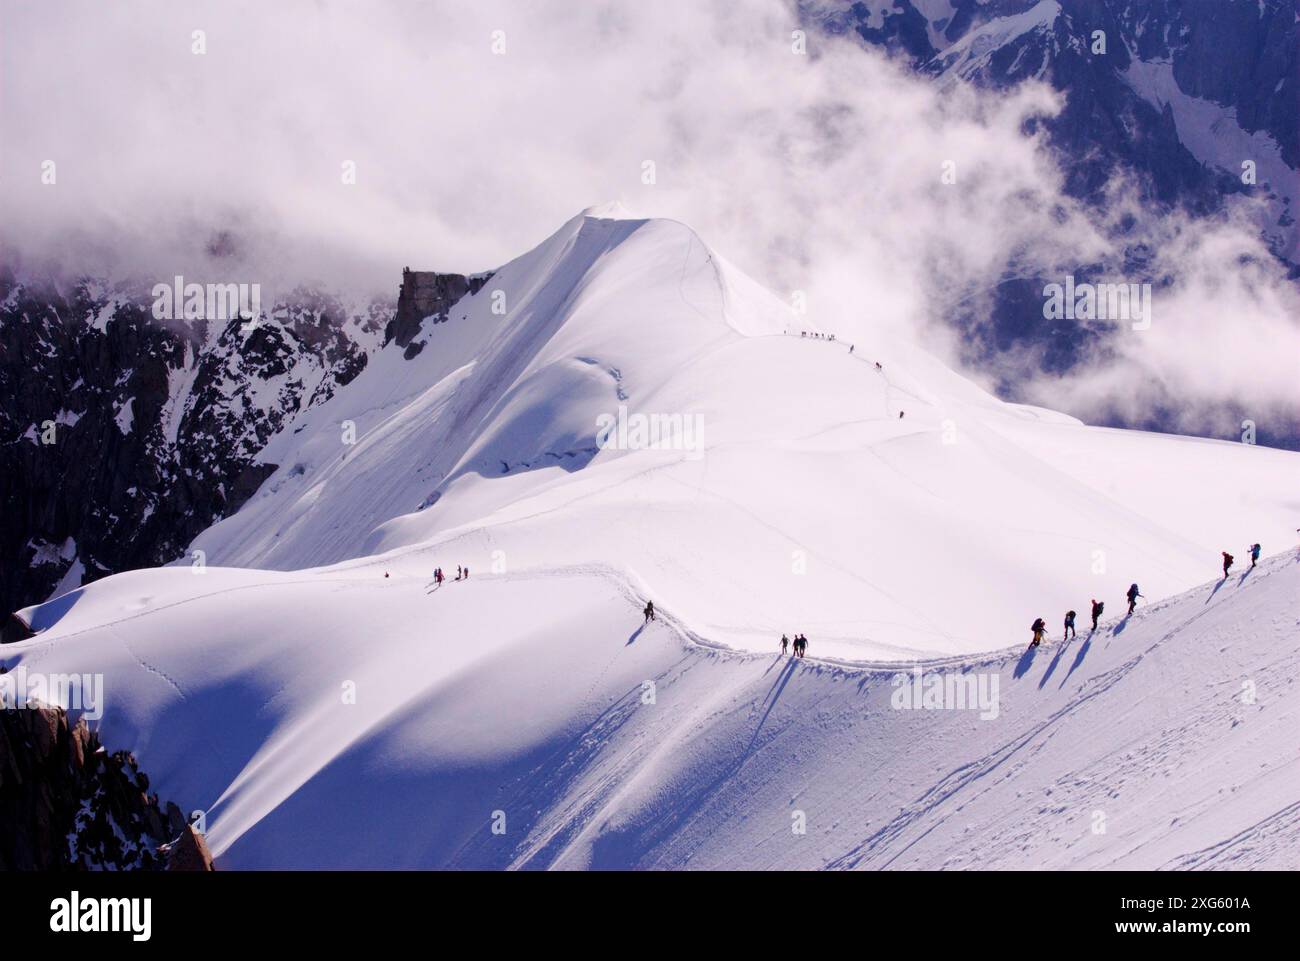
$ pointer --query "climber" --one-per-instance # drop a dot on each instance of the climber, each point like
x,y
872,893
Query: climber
x,y
1040,630
1133,596
1097,608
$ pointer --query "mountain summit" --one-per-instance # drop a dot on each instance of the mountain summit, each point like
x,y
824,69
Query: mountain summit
x,y
622,398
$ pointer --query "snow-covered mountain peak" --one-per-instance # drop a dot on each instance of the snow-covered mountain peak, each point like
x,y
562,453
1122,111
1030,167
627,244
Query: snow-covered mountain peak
x,y
611,210
622,398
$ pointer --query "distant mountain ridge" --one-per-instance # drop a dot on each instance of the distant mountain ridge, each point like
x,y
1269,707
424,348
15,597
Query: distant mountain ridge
x,y
1134,103
1190,101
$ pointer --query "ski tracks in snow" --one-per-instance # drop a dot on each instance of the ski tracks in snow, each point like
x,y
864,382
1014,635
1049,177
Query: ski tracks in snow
x,y
925,816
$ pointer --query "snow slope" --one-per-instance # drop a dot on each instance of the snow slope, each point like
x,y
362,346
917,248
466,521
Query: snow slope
x,y
310,689
539,702
810,505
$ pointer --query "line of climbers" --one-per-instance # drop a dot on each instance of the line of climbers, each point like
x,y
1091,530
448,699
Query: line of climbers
x,y
817,336
1039,628
462,573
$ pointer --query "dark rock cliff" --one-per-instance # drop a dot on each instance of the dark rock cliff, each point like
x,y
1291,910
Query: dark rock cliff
x,y
66,803
426,295
123,436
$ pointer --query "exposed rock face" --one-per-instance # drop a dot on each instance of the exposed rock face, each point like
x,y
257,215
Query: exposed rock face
x,y
426,295
67,804
122,436
189,852
14,629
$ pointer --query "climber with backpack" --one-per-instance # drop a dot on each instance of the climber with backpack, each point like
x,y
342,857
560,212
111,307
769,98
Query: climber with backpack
x,y
1133,595
1069,626
1040,629
1227,563
1254,555
1097,608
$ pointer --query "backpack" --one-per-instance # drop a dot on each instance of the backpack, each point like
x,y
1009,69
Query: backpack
x,y
1227,559
1100,606
1133,590
1069,615
1037,625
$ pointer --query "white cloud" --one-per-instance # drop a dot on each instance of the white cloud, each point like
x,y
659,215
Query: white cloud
x,y
820,173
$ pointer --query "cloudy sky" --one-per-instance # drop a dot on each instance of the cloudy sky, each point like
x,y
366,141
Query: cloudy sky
x,y
476,129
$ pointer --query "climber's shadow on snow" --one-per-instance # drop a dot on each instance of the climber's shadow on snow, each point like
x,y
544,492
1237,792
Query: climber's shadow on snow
x,y
1060,652
1026,662
1217,585
769,702
608,849
1078,659
635,634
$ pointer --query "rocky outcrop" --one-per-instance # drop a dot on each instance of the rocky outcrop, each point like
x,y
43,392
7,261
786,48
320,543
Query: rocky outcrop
x,y
66,803
123,436
426,295
189,852
14,629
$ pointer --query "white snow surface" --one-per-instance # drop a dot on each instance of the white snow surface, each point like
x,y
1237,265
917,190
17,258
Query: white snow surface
x,y
967,54
126,416
916,536
606,744
326,706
